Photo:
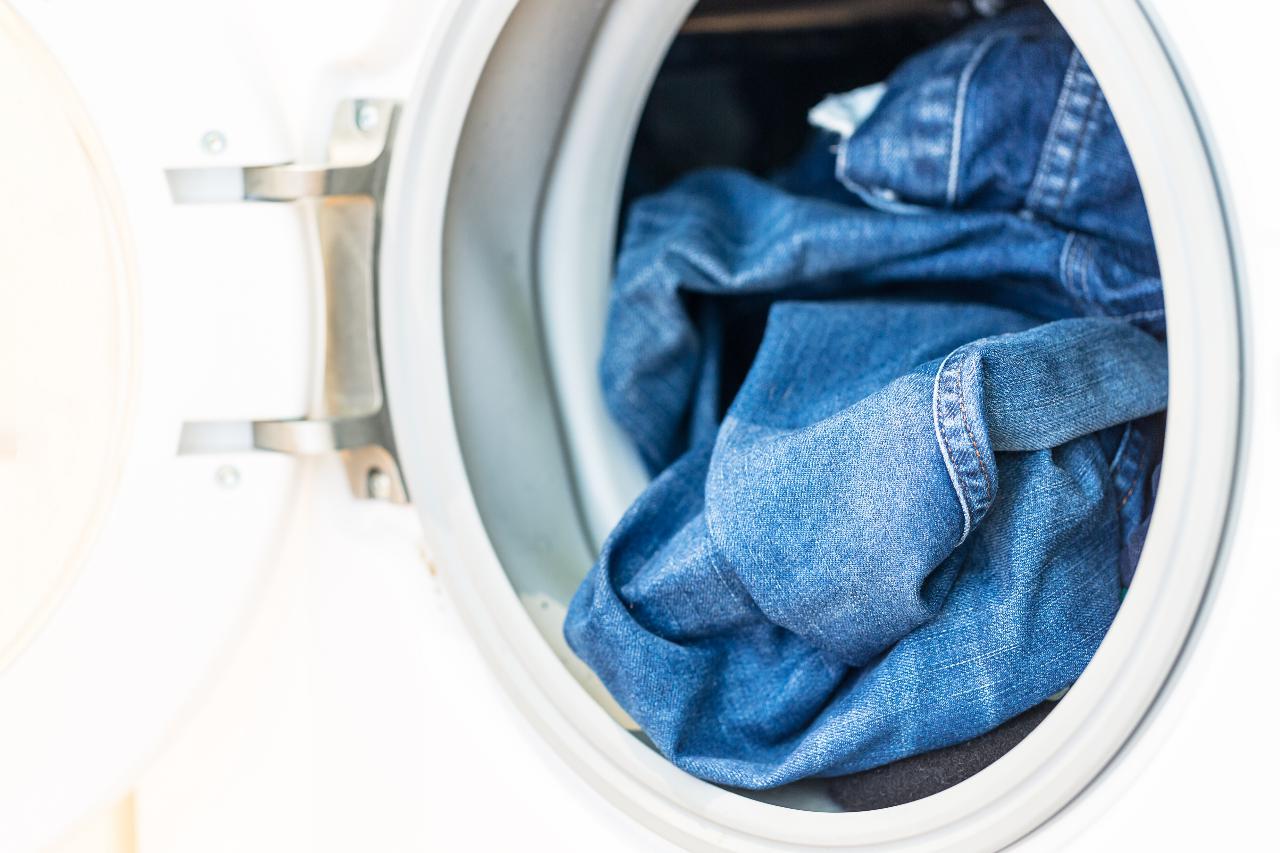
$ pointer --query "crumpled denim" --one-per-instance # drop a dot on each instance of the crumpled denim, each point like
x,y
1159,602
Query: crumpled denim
x,y
904,403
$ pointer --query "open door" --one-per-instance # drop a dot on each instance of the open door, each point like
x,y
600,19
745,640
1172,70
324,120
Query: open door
x,y
125,568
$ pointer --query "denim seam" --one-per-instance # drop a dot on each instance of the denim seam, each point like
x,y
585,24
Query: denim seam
x,y
1083,260
1073,165
879,202
1073,269
1134,473
868,195
958,110
1064,261
1122,449
1043,167
964,416
944,446
971,475
1054,171
1133,483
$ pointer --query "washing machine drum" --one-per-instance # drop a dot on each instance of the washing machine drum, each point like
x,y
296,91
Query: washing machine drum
x,y
469,239
516,296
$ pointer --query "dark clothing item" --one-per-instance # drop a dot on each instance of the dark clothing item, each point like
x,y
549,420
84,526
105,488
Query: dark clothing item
x,y
926,774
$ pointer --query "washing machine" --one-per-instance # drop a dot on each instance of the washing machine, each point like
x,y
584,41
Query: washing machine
x,y
303,453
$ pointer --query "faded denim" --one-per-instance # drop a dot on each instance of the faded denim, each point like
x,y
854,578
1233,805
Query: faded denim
x,y
906,515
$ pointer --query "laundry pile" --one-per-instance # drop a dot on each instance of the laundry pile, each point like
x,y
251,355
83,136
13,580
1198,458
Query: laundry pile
x,y
901,403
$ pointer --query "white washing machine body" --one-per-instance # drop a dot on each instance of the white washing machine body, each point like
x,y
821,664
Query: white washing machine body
x,y
265,658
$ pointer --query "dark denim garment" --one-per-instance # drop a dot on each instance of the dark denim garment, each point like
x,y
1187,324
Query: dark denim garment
x,y
912,522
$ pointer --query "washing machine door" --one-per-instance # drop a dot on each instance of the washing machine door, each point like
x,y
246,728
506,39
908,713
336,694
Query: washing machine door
x,y
125,565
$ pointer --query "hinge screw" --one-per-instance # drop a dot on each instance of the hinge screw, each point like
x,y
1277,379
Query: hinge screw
x,y
379,483
227,476
367,117
213,142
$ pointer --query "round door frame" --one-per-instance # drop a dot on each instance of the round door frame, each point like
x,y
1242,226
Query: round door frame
x,y
1096,720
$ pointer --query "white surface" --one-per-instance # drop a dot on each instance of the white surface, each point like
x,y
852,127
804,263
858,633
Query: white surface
x,y
1203,775
65,382
355,712
575,258
844,113
176,560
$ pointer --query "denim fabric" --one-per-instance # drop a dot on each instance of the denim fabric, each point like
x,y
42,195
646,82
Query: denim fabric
x,y
1044,214
923,775
900,477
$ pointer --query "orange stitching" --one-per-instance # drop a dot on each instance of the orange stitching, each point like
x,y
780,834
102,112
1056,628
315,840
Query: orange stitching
x,y
1141,459
964,417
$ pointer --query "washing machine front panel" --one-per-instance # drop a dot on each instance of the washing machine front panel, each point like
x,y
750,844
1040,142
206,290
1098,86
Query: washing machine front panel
x,y
219,327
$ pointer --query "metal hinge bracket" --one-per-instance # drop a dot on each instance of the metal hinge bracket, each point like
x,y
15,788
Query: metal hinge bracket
x,y
351,418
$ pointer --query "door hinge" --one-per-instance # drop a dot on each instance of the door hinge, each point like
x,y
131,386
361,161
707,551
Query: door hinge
x,y
351,418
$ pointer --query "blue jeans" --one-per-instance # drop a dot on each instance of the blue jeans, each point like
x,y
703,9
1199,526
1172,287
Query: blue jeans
x,y
904,403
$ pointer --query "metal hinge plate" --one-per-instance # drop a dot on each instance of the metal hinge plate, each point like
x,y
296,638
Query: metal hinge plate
x,y
351,418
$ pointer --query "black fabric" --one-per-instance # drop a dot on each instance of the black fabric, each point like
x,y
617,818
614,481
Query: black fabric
x,y
928,773
741,98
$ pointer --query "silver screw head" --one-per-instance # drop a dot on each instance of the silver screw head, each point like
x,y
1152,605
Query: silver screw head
x,y
367,116
379,483
213,142
227,476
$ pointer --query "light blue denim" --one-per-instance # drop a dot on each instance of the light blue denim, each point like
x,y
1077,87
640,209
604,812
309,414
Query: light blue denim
x,y
906,515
